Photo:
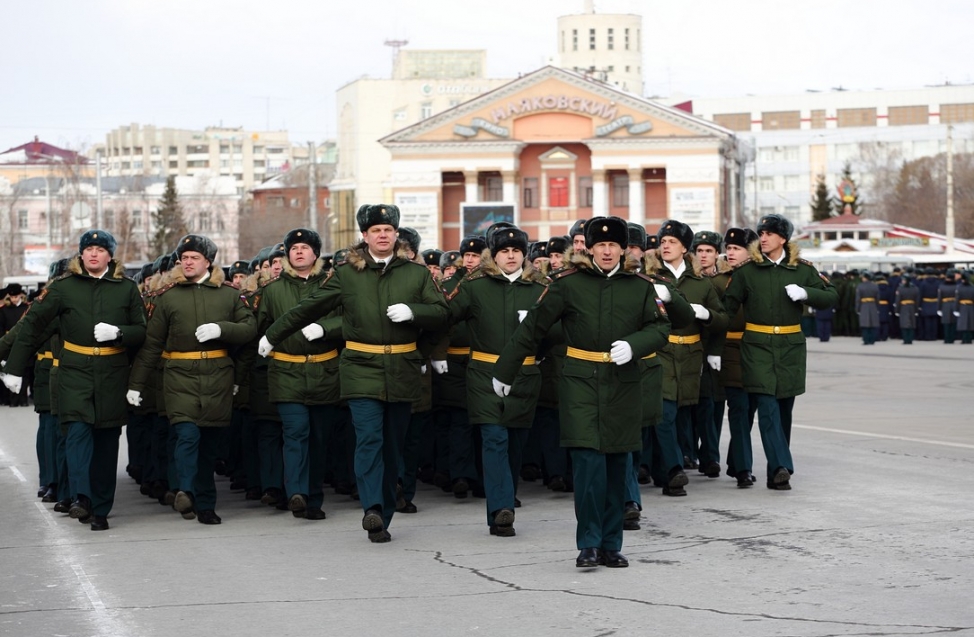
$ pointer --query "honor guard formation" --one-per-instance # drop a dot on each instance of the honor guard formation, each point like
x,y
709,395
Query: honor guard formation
x,y
596,362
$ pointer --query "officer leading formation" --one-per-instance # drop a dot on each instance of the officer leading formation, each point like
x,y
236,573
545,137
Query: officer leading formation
x,y
596,362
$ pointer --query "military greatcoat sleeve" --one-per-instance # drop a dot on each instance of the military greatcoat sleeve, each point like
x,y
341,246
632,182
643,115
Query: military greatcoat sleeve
x,y
432,312
241,328
42,313
310,310
528,335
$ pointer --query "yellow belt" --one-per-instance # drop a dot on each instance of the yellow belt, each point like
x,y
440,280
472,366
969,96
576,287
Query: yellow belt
x,y
685,340
907,302
653,355
56,363
196,356
93,351
402,348
773,329
41,357
884,302
966,302
595,357
484,357
735,336
310,358
947,298
166,355
867,299
927,299
458,351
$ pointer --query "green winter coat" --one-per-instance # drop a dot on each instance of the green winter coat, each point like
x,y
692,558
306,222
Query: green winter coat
x,y
488,303
197,391
775,363
450,389
41,389
600,404
683,363
92,388
364,291
305,383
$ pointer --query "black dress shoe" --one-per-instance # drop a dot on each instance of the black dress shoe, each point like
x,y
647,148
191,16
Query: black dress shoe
x,y
630,525
158,489
208,516
517,503
674,492
312,513
407,507
557,483
80,508
744,479
530,472
711,470
62,506
677,478
272,497
504,517
50,495
588,558
644,477
460,488
99,523
372,521
631,511
185,504
253,493
238,484
40,492
379,537
781,480
502,531
297,504
614,559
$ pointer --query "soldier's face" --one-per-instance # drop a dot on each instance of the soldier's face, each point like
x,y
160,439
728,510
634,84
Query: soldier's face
x,y
449,271
635,251
96,259
735,254
578,243
509,260
435,271
607,254
557,260
301,257
276,267
539,263
194,264
381,239
707,256
671,249
238,279
471,260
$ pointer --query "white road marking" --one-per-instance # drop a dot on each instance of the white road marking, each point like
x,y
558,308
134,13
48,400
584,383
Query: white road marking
x,y
88,587
17,473
46,515
867,434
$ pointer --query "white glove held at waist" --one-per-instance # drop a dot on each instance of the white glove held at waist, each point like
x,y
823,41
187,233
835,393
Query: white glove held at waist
x,y
105,332
399,313
207,332
621,352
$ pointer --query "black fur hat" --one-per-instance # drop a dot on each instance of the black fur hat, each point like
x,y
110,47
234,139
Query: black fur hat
x,y
537,250
577,228
375,214
742,237
777,224
707,238
197,243
303,235
599,229
275,251
453,258
239,267
432,256
637,234
558,244
678,229
652,242
101,238
472,243
502,238
411,238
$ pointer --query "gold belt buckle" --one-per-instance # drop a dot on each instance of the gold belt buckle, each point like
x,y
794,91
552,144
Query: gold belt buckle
x,y
679,340
204,354
387,349
95,351
776,329
308,358
606,357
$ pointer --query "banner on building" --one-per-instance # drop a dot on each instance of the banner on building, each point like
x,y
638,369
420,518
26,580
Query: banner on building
x,y
695,207
419,211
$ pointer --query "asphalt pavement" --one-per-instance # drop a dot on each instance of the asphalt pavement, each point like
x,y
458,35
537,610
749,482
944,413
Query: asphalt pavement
x,y
876,538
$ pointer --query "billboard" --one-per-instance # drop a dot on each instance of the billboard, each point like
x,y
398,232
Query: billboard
x,y
475,218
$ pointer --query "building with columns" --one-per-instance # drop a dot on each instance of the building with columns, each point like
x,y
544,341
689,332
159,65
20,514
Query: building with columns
x,y
554,146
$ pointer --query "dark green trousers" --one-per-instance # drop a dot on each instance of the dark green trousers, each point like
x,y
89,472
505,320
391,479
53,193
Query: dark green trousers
x,y
92,456
600,493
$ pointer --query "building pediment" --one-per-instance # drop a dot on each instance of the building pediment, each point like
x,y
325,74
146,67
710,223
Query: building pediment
x,y
553,104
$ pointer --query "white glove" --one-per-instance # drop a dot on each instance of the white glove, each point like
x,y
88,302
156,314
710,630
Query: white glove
x,y
422,369
13,383
957,314
500,388
796,292
521,314
399,313
939,313
105,332
3,363
440,367
133,397
313,331
621,352
662,292
236,388
207,332
714,362
700,311
264,347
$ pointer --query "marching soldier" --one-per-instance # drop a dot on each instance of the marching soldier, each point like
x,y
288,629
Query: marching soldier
x,y
906,307
557,248
610,319
99,314
965,307
387,302
771,288
867,308
193,322
492,301
928,320
947,305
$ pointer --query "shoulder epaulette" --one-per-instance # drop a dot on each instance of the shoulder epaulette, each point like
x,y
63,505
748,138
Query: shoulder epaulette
x,y
807,262
560,274
161,290
266,283
479,273
327,277
646,277
744,262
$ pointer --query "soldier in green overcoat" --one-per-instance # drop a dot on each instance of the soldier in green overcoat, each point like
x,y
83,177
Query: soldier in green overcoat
x,y
99,315
610,320
388,302
771,287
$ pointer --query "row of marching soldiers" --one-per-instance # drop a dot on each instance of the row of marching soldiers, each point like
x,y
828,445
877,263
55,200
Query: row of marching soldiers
x,y
625,353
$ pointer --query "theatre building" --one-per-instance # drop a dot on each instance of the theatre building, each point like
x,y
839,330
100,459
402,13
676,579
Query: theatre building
x,y
554,146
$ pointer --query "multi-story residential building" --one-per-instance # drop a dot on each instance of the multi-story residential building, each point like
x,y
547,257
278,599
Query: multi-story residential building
x,y
606,46
798,137
246,157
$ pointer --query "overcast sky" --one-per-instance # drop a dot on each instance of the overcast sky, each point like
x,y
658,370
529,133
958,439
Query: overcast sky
x,y
72,71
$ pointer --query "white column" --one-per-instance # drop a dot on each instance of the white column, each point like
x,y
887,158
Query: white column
x,y
509,193
637,209
600,194
470,185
